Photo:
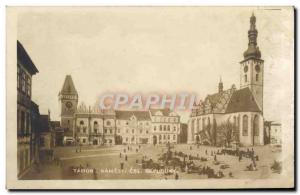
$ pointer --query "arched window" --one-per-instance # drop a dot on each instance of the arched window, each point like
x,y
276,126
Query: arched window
x,y
165,127
256,126
81,123
245,125
108,123
174,137
174,128
95,126
168,127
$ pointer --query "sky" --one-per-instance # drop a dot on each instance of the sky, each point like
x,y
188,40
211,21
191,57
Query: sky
x,y
163,49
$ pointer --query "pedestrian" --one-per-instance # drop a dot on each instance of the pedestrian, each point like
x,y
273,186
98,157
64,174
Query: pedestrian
x,y
122,165
125,157
176,176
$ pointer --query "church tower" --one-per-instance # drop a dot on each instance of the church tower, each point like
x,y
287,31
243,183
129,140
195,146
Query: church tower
x,y
68,98
252,67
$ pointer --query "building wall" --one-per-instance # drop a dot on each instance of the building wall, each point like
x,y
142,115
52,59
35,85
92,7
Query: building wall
x,y
23,119
275,134
197,124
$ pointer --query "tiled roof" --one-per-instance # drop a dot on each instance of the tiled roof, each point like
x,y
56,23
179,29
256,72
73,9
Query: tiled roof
x,y
242,101
219,101
125,115
25,59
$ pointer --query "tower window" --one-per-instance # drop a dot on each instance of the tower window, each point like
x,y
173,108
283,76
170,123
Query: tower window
x,y
245,78
256,77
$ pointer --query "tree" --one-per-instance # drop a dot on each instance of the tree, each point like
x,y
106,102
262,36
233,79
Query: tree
x,y
226,130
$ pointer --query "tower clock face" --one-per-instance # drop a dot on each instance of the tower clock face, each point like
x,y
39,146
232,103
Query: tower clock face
x,y
69,105
257,68
245,68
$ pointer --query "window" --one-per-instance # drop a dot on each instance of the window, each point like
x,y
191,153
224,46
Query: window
x,y
245,125
23,84
95,126
22,122
256,126
165,128
28,88
174,129
42,141
81,123
160,137
27,123
154,128
108,123
110,131
168,137
245,78
160,127
174,137
168,127
83,140
256,77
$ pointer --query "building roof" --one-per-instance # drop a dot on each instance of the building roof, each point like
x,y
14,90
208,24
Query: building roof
x,y
219,101
25,60
228,101
242,101
140,115
165,112
68,87
44,123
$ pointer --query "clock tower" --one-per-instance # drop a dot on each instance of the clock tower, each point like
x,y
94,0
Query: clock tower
x,y
68,98
252,67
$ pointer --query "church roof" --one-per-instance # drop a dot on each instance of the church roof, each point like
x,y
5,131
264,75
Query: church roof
x,y
126,115
219,101
228,101
68,87
242,101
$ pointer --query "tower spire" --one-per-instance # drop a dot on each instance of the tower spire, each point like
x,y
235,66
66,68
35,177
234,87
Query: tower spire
x,y
253,50
220,85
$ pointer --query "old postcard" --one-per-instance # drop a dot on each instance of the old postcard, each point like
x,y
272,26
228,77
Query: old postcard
x,y
150,97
